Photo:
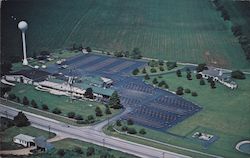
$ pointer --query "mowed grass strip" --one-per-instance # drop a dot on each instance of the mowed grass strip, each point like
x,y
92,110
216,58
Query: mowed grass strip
x,y
225,114
184,33
84,108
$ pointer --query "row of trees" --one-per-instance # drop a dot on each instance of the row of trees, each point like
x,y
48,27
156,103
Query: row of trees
x,y
129,129
134,54
181,90
236,29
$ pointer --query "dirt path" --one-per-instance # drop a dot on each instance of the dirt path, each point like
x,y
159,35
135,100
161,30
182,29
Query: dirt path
x,y
26,151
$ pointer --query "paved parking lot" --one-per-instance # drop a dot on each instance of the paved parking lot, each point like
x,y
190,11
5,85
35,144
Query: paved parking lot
x,y
151,106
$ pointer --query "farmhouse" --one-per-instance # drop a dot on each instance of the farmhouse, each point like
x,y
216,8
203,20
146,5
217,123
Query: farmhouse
x,y
24,140
218,76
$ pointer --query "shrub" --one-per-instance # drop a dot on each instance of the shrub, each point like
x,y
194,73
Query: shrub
x,y
202,82
98,111
146,77
142,131
178,73
238,74
187,90
25,101
57,111
78,150
131,131
153,70
118,123
144,71
124,128
78,117
162,83
198,76
12,96
33,103
189,77
90,117
45,107
18,99
179,91
71,115
171,65
90,151
161,68
155,81
107,111
166,86
61,152
130,122
135,71
194,94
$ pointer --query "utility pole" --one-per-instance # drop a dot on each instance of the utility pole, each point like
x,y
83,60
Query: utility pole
x,y
49,131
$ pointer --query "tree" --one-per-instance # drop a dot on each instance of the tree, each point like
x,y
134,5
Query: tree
x,y
153,70
12,96
131,130
162,83
166,86
135,71
126,54
187,90
45,107
118,123
144,71
198,76
130,122
161,68
142,131
78,150
178,73
179,91
194,94
5,67
202,82
18,99
78,117
146,77
136,53
124,128
98,111
161,62
33,103
114,101
61,152
88,49
155,81
201,67
89,93
25,101
107,111
71,115
212,84
57,111
238,74
21,120
189,77
90,151
118,54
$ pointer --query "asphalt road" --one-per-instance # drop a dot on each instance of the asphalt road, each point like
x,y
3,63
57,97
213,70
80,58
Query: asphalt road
x,y
91,135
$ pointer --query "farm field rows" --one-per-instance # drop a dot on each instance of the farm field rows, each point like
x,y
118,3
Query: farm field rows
x,y
187,31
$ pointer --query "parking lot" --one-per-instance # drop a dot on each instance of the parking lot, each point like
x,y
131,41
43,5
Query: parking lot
x,y
151,106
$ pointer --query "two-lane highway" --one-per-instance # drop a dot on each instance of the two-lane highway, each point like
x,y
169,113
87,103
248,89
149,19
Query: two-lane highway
x,y
90,135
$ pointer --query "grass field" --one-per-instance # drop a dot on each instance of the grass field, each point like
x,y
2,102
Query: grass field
x,y
8,135
84,108
225,114
191,32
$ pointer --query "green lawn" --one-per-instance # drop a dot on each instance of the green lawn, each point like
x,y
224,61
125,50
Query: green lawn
x,y
8,134
225,114
69,145
84,108
191,32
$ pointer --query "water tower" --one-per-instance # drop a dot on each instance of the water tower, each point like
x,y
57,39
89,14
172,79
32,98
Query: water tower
x,y
23,26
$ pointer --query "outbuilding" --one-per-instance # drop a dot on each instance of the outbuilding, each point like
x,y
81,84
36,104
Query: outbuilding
x,y
24,140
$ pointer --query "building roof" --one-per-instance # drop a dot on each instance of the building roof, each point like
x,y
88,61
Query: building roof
x,y
24,137
211,71
42,143
34,74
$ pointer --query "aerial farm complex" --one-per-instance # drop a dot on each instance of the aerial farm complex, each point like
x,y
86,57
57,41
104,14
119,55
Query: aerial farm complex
x,y
125,79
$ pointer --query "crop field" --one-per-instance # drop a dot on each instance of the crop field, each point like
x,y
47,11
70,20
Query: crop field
x,y
187,31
